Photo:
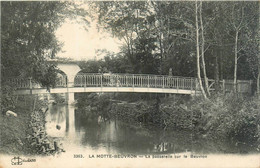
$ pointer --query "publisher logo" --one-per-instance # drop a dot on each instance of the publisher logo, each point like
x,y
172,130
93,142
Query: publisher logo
x,y
17,161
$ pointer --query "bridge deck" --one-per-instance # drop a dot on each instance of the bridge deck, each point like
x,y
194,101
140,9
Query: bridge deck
x,y
104,89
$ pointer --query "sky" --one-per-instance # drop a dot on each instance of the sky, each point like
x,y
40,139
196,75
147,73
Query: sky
x,y
80,44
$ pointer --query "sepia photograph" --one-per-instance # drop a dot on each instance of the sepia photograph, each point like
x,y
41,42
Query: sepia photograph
x,y
130,84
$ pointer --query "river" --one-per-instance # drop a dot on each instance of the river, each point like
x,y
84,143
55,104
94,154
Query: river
x,y
87,134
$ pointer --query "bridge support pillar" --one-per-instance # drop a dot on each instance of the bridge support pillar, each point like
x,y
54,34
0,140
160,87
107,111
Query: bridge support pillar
x,y
70,98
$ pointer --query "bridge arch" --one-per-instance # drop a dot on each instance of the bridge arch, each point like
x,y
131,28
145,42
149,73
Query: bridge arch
x,y
70,70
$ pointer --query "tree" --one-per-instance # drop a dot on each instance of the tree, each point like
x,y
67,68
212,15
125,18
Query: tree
x,y
253,57
198,50
134,23
242,14
174,24
203,51
163,35
28,37
28,40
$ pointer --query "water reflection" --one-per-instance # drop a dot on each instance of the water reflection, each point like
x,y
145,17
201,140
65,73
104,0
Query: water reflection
x,y
81,130
56,116
70,121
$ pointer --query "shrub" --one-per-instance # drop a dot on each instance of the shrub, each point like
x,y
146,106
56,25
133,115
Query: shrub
x,y
228,118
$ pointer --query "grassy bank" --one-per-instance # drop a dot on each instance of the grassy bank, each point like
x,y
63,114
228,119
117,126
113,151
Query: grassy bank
x,y
14,130
25,133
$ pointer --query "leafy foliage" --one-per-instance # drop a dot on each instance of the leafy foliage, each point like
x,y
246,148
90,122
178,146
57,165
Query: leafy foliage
x,y
111,63
231,118
160,35
28,37
28,40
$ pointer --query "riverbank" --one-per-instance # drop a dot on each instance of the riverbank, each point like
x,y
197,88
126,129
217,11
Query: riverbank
x,y
25,133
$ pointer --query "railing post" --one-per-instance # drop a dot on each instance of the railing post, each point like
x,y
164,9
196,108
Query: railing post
x,y
30,82
133,81
96,79
85,80
101,83
223,86
155,81
191,84
80,83
163,81
148,81
82,80
117,83
177,83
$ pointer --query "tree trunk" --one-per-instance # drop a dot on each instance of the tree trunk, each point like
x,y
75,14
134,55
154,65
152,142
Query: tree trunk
x,y
258,80
221,77
202,51
217,87
161,52
198,51
235,64
258,83
258,56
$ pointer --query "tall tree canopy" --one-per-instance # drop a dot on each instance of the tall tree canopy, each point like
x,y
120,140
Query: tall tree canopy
x,y
161,35
28,37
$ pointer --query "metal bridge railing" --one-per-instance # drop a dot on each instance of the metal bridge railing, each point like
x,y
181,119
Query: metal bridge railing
x,y
116,80
135,81
21,83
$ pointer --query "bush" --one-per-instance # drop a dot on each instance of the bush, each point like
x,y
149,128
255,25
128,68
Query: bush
x,y
176,116
228,118
8,99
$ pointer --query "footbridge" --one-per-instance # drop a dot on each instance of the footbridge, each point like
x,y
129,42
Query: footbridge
x,y
75,82
90,82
